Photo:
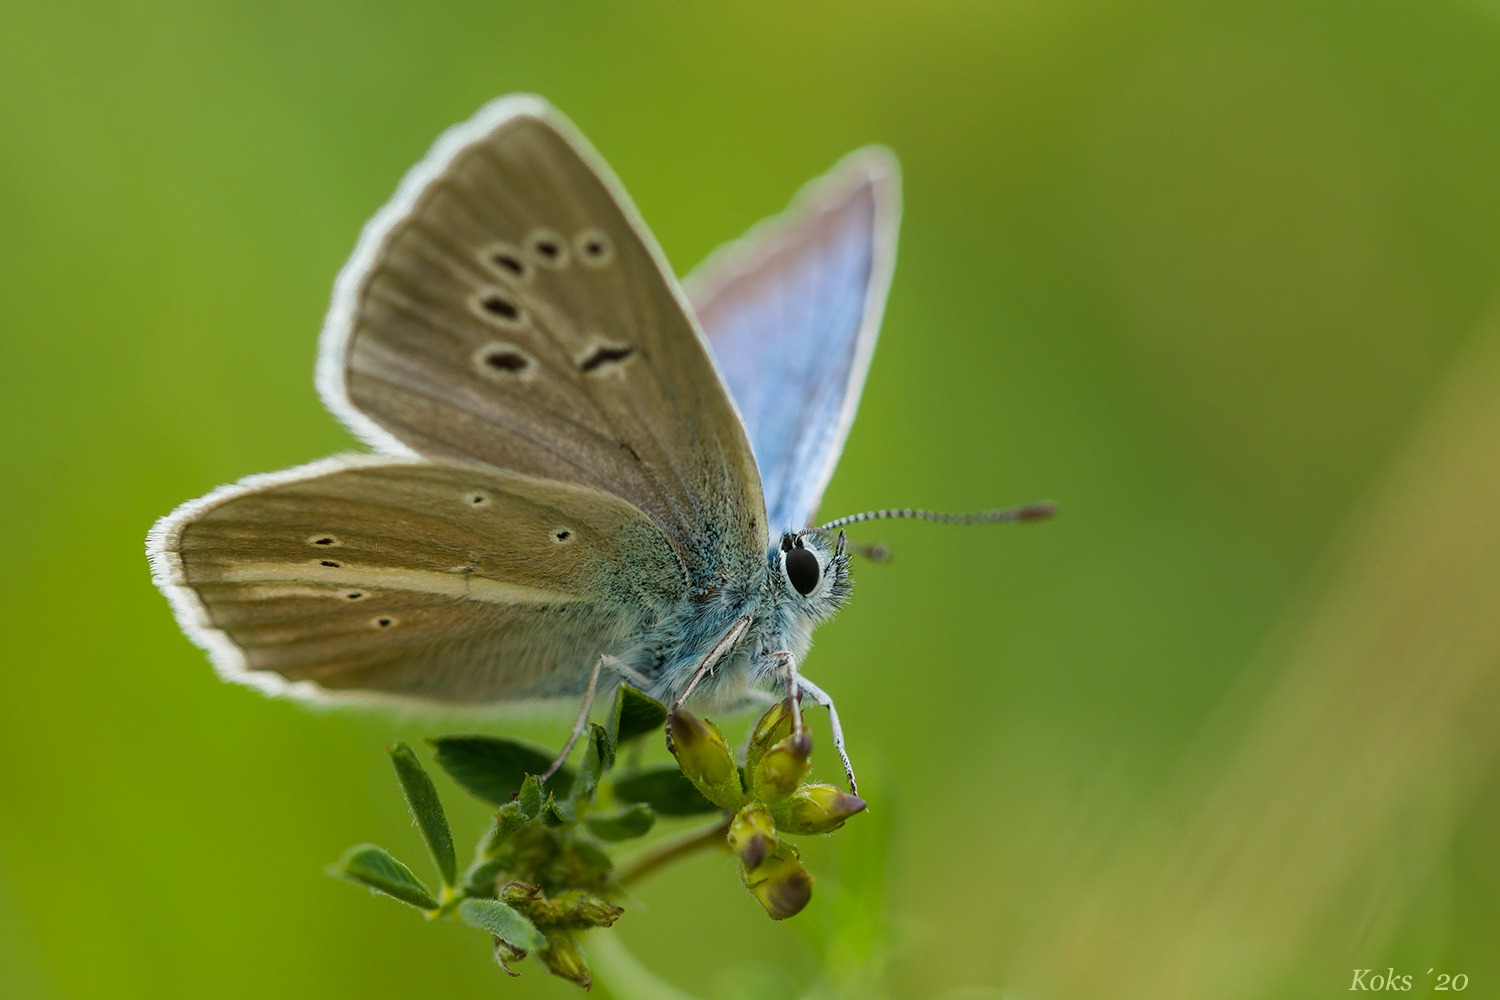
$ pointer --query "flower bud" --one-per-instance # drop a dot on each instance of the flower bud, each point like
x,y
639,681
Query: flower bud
x,y
530,797
704,757
564,958
781,884
577,908
817,809
752,836
783,767
773,727
511,817
507,953
519,894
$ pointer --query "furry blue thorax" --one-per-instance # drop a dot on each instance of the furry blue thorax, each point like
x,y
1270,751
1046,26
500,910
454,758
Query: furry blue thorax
x,y
669,650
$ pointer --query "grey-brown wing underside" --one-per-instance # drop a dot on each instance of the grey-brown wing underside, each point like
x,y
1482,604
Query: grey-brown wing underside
x,y
508,307
361,576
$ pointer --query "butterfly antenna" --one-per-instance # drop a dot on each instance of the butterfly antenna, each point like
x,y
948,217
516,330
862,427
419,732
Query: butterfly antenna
x,y
1026,512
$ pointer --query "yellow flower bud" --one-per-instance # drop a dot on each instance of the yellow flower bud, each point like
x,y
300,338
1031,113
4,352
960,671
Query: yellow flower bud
x,y
704,757
817,809
781,884
782,768
752,836
773,727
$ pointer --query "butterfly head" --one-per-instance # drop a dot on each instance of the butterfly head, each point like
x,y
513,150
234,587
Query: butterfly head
x,y
813,571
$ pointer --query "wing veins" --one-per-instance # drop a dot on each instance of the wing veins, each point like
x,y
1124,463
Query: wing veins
x,y
518,429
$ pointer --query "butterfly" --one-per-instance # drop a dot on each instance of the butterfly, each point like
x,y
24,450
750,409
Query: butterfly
x,y
582,471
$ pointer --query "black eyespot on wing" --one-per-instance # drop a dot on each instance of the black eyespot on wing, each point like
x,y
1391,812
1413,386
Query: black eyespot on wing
x,y
802,570
605,356
594,248
508,262
562,534
506,361
499,305
383,622
330,563
548,249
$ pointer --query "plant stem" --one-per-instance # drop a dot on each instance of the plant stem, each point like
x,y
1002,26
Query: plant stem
x,y
668,851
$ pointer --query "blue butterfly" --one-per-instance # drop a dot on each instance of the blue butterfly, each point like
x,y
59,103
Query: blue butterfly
x,y
583,475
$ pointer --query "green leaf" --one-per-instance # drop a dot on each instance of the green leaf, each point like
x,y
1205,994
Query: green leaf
x,y
664,788
503,922
373,868
623,825
595,753
422,797
492,768
633,714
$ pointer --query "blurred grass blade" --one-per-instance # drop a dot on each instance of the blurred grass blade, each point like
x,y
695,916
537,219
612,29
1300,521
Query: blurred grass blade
x,y
626,978
422,797
854,925
503,922
665,789
623,825
375,869
492,768
1386,682
634,714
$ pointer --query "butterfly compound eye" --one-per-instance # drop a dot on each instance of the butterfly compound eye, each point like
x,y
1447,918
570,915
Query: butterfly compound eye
x,y
802,570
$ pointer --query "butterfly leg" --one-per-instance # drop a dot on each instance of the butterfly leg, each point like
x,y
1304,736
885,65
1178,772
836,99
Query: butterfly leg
x,y
705,666
818,695
583,714
630,675
793,686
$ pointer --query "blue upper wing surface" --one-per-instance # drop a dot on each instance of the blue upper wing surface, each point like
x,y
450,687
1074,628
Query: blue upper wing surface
x,y
791,311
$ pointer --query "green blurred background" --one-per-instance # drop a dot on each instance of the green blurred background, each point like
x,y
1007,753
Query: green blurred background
x,y
1197,271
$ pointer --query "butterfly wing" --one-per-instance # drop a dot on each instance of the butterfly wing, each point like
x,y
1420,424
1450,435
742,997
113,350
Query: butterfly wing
x,y
792,311
363,575
508,307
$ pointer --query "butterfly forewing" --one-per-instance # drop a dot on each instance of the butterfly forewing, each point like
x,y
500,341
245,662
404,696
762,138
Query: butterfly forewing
x,y
509,309
432,581
792,311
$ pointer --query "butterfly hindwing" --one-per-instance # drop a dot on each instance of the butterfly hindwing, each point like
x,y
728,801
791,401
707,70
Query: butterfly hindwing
x,y
428,581
509,308
791,311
